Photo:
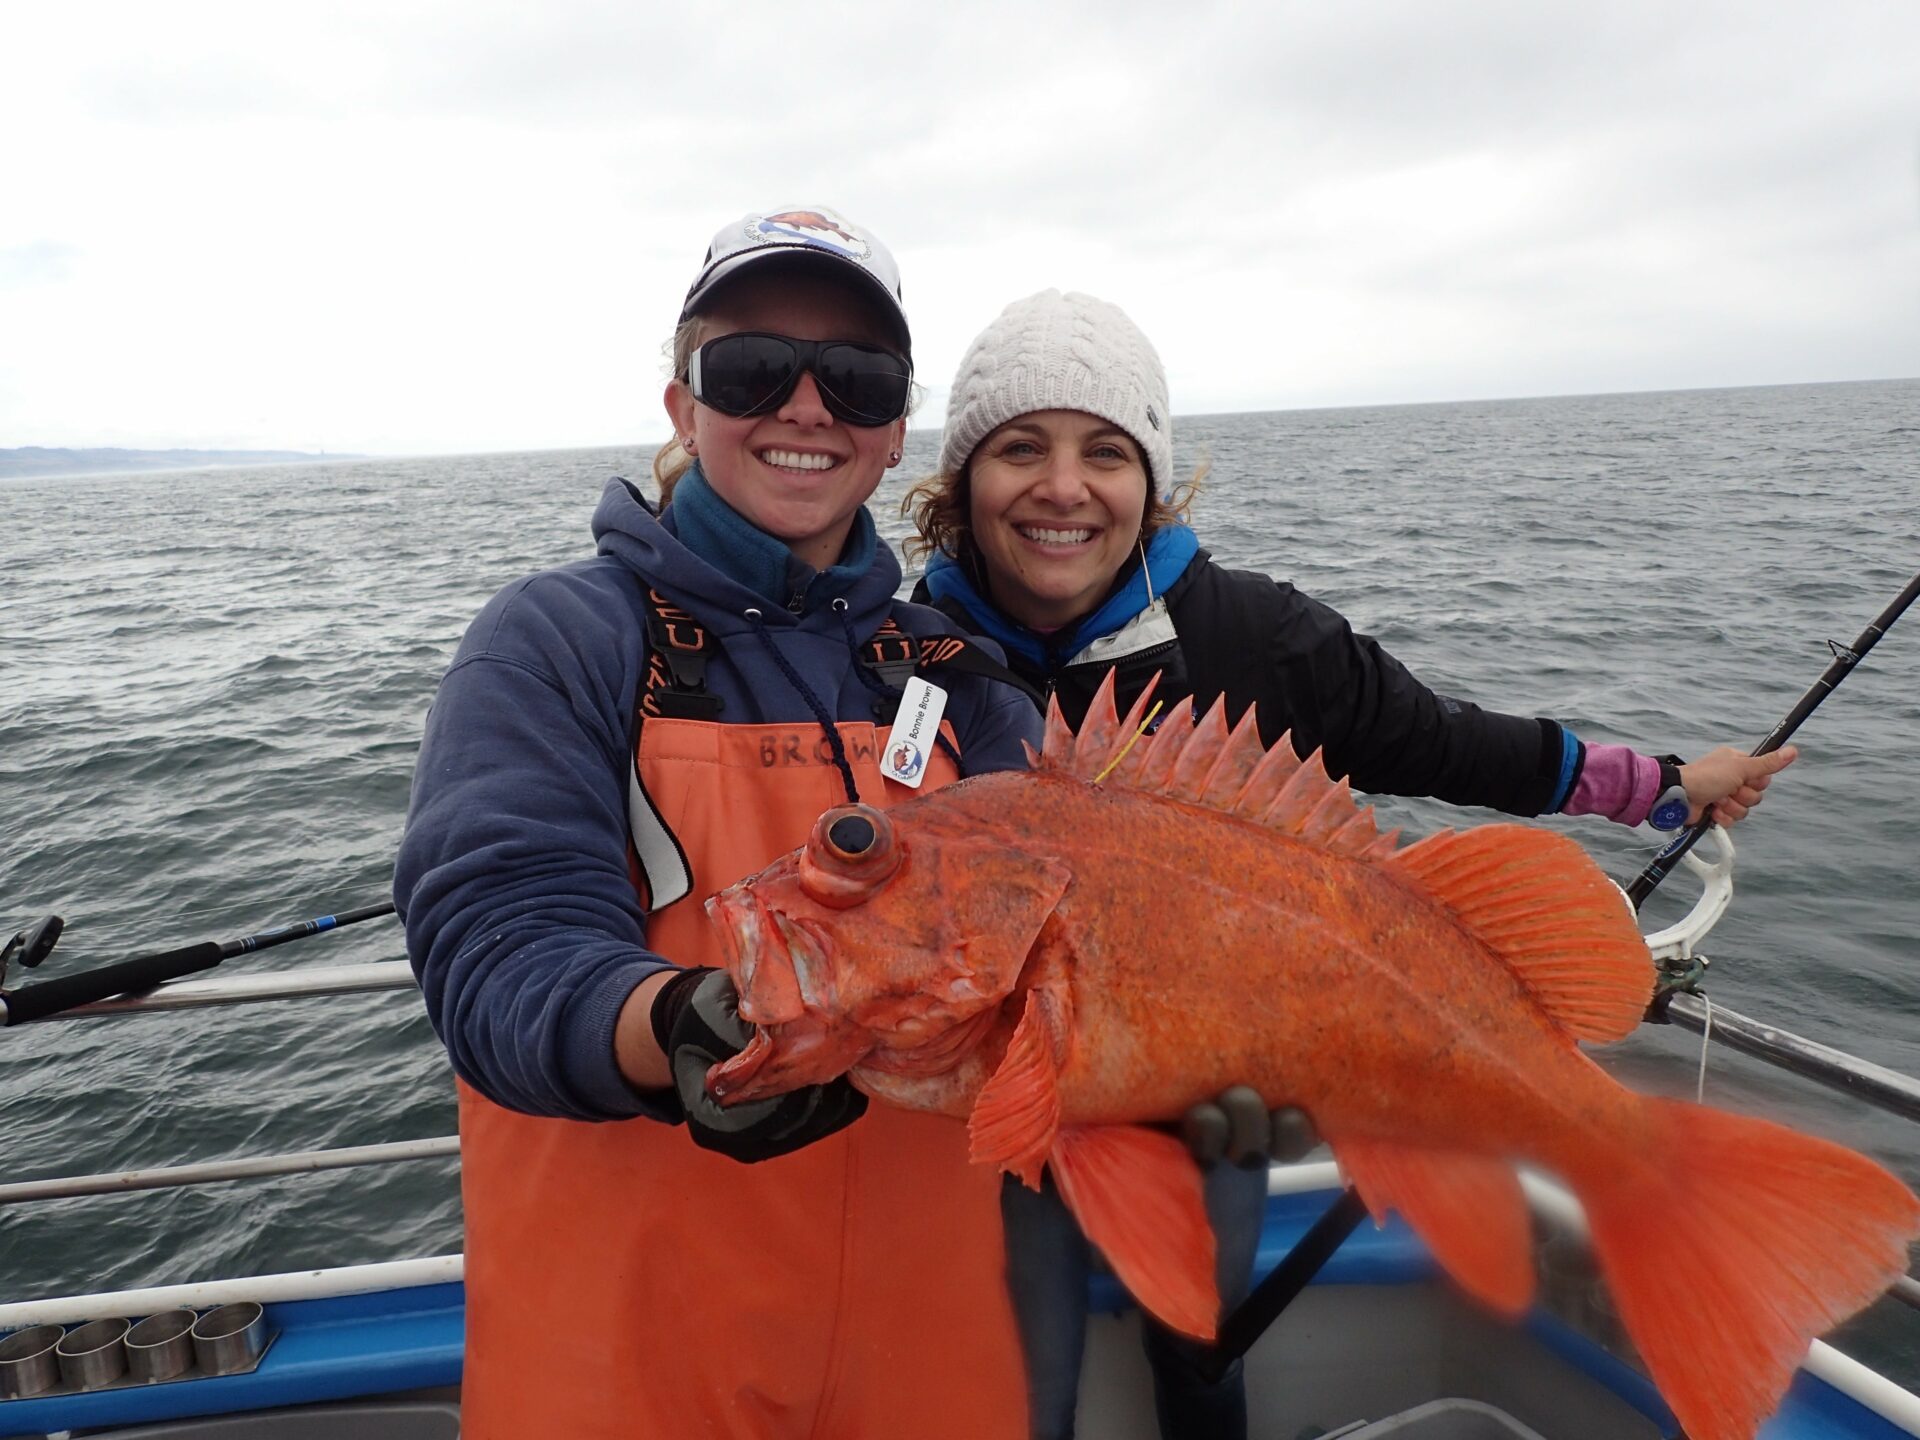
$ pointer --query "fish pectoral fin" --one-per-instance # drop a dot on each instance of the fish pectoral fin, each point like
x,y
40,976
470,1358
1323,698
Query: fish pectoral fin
x,y
1550,913
1136,1194
1469,1209
1017,1113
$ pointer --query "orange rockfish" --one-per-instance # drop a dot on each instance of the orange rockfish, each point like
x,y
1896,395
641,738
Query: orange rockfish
x,y
1058,955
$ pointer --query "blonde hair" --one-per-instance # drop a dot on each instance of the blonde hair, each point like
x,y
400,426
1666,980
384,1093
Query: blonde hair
x,y
941,509
671,460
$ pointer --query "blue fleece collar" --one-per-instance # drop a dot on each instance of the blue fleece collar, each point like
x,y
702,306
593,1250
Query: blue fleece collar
x,y
740,550
1168,554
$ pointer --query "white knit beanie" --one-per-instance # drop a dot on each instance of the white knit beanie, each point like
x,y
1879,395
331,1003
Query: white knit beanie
x,y
1061,352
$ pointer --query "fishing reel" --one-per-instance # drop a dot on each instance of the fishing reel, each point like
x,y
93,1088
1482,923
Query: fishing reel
x,y
1675,949
32,945
1679,941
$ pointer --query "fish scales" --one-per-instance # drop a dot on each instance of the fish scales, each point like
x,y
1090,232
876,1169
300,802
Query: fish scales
x,y
1059,956
1163,965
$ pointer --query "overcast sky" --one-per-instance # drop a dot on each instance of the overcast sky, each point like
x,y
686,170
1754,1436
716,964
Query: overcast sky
x,y
426,227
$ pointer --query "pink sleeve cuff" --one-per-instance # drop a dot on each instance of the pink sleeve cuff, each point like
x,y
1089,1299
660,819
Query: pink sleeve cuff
x,y
1616,782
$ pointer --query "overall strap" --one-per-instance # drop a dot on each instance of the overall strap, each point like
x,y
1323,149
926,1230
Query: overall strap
x,y
678,648
893,656
674,688
890,656
957,652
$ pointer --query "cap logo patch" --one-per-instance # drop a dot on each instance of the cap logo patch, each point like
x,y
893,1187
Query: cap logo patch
x,y
808,227
1152,419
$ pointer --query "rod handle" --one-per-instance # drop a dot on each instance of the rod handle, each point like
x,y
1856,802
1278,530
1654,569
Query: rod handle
x,y
129,977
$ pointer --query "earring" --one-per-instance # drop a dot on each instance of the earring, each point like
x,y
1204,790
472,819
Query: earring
x,y
686,443
894,458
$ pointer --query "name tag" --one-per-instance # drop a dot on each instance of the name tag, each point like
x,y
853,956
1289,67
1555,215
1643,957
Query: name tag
x,y
915,732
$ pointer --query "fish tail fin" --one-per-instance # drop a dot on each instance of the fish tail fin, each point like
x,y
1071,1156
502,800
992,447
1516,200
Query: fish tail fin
x,y
1136,1194
1730,1251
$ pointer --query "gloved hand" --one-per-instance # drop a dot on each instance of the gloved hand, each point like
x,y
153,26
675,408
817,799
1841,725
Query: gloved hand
x,y
696,1020
1238,1126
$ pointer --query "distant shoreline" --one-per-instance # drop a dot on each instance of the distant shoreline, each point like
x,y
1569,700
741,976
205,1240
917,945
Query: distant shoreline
x,y
33,462
39,462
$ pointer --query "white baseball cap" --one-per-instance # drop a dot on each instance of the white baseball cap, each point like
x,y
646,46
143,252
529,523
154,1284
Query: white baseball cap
x,y
801,232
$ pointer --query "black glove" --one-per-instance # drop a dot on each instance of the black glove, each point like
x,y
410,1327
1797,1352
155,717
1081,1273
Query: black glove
x,y
696,1020
1239,1127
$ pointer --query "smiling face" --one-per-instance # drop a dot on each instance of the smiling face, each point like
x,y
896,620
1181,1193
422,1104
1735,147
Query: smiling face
x,y
1057,499
796,472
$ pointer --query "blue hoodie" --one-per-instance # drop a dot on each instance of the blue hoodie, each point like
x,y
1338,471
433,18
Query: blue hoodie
x,y
522,922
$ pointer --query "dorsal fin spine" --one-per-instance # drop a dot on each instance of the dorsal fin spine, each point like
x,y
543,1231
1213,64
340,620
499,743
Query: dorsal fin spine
x,y
1199,754
1267,778
1216,766
1229,776
1057,744
1167,741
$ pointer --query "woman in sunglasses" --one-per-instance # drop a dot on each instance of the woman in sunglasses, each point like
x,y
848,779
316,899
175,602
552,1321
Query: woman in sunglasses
x,y
616,741
1053,528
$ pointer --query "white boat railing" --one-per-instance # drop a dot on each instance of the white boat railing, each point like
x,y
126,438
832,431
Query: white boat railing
x,y
209,1172
266,1289
245,989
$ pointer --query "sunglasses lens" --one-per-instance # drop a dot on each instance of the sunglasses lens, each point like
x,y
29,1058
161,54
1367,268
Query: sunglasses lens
x,y
863,386
744,374
747,374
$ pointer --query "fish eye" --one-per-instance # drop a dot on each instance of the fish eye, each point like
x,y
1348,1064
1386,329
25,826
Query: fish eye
x,y
853,852
851,835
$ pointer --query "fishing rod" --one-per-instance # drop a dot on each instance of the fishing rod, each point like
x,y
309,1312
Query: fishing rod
x,y
1845,657
1283,1284
143,972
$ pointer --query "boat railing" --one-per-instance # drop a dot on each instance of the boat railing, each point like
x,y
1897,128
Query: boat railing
x,y
247,989
1675,947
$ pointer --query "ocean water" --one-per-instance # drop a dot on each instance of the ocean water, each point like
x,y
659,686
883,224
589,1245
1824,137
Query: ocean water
x,y
212,686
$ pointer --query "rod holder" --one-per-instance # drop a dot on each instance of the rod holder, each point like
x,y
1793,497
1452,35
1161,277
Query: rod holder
x,y
93,1355
228,1340
160,1347
27,1363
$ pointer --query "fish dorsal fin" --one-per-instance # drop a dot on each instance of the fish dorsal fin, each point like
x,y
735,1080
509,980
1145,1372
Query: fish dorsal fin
x,y
1208,764
1538,901
1056,745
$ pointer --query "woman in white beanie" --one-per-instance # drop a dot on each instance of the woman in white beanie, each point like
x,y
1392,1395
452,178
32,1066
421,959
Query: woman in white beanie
x,y
1053,528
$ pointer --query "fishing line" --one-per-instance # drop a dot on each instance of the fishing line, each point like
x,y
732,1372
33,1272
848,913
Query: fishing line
x,y
1706,1034
1132,740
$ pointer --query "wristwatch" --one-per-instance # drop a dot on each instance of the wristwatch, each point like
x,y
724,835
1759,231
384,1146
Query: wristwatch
x,y
1670,806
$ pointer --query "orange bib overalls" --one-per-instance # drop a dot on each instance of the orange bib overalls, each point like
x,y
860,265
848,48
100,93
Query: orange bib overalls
x,y
622,1282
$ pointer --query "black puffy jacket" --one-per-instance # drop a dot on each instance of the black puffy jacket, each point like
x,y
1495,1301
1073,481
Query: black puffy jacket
x,y
1256,640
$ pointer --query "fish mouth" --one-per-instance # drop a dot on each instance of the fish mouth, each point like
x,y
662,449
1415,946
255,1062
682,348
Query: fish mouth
x,y
780,971
733,1081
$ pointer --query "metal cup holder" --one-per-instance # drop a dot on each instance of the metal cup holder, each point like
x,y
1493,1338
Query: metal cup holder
x,y
93,1355
112,1354
228,1340
27,1363
160,1347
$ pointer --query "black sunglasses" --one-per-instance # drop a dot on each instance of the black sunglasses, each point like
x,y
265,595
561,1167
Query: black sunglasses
x,y
752,372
